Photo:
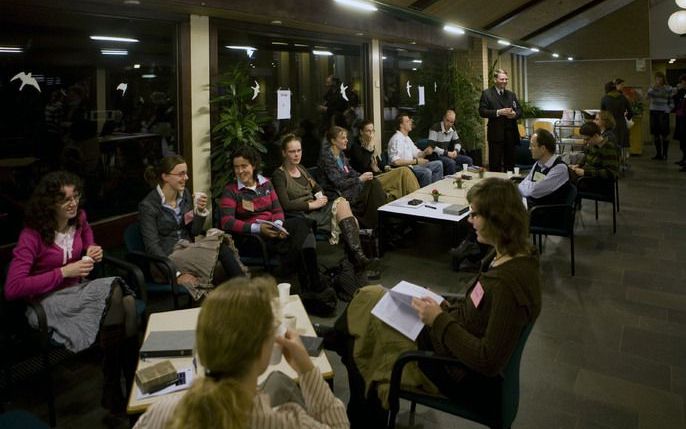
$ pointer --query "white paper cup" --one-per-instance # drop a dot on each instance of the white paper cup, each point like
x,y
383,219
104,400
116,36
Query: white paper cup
x,y
196,197
87,258
516,171
465,167
290,321
276,349
510,173
284,293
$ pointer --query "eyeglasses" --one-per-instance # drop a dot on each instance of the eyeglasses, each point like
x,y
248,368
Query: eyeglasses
x,y
473,214
180,175
73,199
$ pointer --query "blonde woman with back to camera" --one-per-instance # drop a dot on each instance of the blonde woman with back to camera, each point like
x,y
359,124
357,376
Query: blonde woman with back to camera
x,y
235,335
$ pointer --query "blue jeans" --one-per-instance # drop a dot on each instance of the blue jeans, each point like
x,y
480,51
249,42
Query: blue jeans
x,y
428,173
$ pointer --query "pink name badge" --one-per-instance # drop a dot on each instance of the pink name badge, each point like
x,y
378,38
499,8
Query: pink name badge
x,y
477,294
188,217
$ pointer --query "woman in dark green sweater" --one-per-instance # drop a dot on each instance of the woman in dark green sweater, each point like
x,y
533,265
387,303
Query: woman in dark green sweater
x,y
300,195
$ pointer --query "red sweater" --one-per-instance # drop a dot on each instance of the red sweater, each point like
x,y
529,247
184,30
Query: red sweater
x,y
240,207
35,267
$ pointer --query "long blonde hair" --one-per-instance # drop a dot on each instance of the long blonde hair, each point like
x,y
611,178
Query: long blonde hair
x,y
234,322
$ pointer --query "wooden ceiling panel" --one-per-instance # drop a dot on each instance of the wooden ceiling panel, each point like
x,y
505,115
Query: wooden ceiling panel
x,y
470,13
537,17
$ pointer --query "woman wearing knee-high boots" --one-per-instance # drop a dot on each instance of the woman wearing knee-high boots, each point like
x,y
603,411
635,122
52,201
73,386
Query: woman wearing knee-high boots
x,y
300,195
660,96
53,256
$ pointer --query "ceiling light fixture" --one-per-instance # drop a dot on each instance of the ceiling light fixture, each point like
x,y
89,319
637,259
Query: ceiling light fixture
x,y
677,22
249,50
11,50
322,53
453,29
114,52
276,22
417,61
534,49
149,76
114,39
414,68
300,45
570,58
280,43
357,4
136,66
503,42
555,55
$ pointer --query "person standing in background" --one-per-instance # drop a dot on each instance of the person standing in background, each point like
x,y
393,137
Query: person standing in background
x,y
660,95
502,109
618,105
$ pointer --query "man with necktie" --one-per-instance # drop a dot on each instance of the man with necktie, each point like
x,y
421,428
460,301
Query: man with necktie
x,y
502,109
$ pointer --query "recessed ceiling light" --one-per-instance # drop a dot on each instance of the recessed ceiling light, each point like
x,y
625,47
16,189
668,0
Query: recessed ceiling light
x,y
555,55
453,29
149,76
323,53
300,45
570,58
359,34
11,50
414,68
114,52
276,22
417,61
136,66
114,39
534,49
132,2
357,4
413,43
280,43
383,58
503,42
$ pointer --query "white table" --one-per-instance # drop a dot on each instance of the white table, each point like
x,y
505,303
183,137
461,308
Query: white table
x,y
188,319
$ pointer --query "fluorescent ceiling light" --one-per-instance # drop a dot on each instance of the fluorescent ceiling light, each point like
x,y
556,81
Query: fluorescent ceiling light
x,y
383,58
414,68
300,45
280,43
672,60
357,4
417,61
249,50
114,39
503,42
11,50
555,55
136,66
324,53
453,29
533,49
149,76
570,58
114,52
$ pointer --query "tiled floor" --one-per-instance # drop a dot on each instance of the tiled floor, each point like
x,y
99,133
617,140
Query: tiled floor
x,y
608,351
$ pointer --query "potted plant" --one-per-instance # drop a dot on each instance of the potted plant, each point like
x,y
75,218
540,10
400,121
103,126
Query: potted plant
x,y
435,194
482,171
458,182
238,121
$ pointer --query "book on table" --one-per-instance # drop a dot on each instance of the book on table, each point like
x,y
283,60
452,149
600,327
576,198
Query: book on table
x,y
395,308
168,344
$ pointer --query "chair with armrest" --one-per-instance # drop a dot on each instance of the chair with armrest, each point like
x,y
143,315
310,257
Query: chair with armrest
x,y
503,394
604,190
556,220
28,352
133,239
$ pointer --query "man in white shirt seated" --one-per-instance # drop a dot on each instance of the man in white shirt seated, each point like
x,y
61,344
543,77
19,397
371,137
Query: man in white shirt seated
x,y
402,151
444,139
548,181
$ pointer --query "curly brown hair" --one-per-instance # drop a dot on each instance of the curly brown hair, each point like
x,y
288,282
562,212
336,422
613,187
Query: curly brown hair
x,y
41,209
507,222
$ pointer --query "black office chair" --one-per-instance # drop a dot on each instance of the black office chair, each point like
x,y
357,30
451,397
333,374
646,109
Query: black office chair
x,y
556,220
28,352
605,190
496,414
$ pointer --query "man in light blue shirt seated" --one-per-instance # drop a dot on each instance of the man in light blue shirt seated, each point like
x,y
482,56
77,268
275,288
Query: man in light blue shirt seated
x,y
548,181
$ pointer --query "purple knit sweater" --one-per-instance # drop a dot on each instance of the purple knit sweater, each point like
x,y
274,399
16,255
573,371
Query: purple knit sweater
x,y
35,267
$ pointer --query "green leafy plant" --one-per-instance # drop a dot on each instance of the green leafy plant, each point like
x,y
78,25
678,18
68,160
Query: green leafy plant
x,y
529,110
239,121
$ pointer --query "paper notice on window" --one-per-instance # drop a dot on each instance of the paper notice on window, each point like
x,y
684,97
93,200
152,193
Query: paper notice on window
x,y
421,95
395,308
283,104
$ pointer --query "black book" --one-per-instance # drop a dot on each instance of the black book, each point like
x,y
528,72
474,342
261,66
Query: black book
x,y
168,344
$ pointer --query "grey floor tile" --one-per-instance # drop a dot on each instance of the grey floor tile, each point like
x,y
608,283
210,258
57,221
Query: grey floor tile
x,y
674,301
659,347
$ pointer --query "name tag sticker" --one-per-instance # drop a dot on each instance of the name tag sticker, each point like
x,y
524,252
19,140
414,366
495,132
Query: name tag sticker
x,y
477,294
248,205
188,217
539,176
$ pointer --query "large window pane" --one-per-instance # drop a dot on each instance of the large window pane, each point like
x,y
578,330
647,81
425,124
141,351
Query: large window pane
x,y
104,109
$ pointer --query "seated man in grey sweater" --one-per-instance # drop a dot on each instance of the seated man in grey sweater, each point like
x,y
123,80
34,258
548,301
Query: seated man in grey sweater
x,y
446,144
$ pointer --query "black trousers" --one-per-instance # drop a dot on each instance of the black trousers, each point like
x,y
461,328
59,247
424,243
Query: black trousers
x,y
502,154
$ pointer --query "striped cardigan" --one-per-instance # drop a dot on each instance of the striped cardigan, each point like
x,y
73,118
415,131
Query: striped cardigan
x,y
236,212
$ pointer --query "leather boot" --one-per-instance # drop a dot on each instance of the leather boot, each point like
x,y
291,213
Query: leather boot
x,y
129,360
111,341
310,271
351,240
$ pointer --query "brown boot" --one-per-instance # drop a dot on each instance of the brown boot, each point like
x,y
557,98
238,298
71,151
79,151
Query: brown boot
x,y
351,239
111,338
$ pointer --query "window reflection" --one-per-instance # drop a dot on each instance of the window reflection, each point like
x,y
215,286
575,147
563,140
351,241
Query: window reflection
x,y
105,109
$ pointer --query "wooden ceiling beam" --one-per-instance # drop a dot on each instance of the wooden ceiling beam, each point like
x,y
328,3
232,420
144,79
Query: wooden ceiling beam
x,y
422,4
564,18
512,14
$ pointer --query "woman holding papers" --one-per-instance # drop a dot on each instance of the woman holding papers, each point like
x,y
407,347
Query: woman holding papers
x,y
53,256
250,206
300,195
481,331
364,192
236,334
171,223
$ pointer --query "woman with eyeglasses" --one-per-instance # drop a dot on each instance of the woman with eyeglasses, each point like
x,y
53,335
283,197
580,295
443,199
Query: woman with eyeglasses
x,y
171,223
53,257
396,182
235,336
481,331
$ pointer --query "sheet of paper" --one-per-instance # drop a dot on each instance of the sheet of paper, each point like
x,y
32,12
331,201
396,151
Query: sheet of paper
x,y
395,309
185,381
283,104
421,95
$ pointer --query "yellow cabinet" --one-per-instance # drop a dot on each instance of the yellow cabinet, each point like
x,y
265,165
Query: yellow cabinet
x,y
636,136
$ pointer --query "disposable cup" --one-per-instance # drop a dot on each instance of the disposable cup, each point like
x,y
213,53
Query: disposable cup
x,y
284,293
465,167
196,197
290,321
516,171
275,358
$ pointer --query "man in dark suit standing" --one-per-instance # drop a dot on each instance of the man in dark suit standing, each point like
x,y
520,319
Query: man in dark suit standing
x,y
502,109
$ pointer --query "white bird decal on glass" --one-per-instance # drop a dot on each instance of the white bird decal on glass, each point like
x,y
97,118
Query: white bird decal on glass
x,y
122,86
407,87
255,90
435,86
343,94
26,79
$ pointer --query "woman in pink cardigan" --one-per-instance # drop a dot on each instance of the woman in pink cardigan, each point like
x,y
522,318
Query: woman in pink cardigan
x,y
53,256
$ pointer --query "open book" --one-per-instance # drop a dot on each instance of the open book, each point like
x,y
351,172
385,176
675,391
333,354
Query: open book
x,y
276,226
395,308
